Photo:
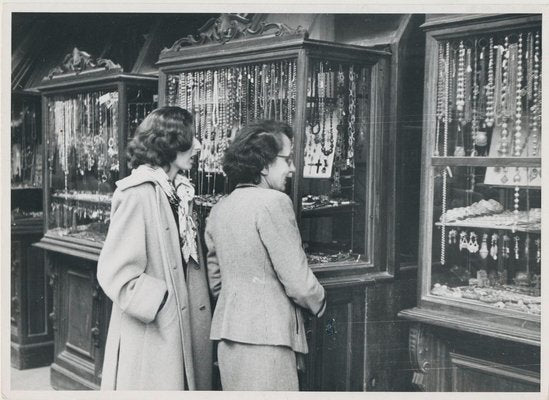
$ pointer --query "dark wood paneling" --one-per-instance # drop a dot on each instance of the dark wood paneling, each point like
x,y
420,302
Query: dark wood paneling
x,y
31,333
81,315
336,343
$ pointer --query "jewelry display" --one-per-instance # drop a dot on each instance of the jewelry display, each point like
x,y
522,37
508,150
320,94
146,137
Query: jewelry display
x,y
26,144
517,239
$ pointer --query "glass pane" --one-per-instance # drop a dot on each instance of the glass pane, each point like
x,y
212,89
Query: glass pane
x,y
26,158
223,100
486,237
334,207
141,101
83,150
489,95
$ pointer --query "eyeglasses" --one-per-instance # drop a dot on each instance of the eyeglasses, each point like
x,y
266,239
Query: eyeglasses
x,y
289,159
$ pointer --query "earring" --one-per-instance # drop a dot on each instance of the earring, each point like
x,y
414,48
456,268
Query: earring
x,y
505,247
484,247
494,247
473,244
463,240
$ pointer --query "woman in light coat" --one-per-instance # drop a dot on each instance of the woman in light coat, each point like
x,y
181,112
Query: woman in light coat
x,y
152,269
257,268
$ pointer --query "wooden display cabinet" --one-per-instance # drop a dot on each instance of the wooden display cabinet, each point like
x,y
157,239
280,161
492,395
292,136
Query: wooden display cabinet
x,y
31,333
477,324
334,95
90,110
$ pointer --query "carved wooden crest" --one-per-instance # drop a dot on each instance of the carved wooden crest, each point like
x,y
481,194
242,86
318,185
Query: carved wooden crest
x,y
78,61
229,27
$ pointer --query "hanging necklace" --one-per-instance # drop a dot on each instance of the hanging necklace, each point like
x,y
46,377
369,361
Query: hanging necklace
x,y
445,154
352,115
460,101
474,122
518,115
489,120
535,109
440,95
182,91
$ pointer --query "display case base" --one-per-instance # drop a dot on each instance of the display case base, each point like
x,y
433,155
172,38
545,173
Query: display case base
x,y
31,355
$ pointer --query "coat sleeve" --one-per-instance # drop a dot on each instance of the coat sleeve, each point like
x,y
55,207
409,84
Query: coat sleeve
x,y
279,233
214,274
123,261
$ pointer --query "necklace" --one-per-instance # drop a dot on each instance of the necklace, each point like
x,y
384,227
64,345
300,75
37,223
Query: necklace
x,y
518,115
474,122
489,120
535,109
351,139
440,96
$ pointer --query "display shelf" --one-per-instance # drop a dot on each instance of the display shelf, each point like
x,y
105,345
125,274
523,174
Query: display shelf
x,y
330,93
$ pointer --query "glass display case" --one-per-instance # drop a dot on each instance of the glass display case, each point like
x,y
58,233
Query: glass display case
x,y
88,120
481,233
324,91
26,159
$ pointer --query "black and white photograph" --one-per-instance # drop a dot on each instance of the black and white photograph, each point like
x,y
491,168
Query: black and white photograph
x,y
279,201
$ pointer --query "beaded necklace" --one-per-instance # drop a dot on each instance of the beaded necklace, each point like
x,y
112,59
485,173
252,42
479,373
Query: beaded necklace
x,y
352,109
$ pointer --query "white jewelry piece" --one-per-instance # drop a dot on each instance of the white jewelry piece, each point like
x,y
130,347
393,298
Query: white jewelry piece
x,y
463,240
494,247
473,243
484,246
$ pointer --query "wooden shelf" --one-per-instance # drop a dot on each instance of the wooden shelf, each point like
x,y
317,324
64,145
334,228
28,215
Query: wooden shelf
x,y
328,211
532,162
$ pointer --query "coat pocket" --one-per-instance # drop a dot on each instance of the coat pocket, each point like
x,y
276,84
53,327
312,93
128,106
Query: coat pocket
x,y
168,314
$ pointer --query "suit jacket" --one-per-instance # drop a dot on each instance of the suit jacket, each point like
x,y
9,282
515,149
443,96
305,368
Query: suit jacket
x,y
258,270
141,259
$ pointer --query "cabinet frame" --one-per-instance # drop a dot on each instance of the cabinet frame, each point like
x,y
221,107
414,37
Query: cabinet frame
x,y
462,315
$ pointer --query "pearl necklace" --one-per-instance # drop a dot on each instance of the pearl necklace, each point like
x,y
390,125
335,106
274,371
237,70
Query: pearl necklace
x,y
489,120
518,115
445,154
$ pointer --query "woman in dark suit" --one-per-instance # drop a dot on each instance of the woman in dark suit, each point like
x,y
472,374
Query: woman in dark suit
x,y
257,268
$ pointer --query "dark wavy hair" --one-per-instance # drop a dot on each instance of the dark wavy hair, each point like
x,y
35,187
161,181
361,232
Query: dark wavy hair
x,y
255,147
163,133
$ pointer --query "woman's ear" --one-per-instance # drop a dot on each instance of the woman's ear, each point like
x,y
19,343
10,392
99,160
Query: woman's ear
x,y
265,171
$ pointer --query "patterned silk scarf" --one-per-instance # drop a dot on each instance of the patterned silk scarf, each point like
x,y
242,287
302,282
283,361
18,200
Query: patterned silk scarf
x,y
180,192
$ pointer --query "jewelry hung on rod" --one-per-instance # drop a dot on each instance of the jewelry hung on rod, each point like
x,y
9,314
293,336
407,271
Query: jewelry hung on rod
x,y
517,247
504,139
505,251
452,236
518,115
352,119
516,180
538,250
483,252
472,246
490,111
459,150
463,244
535,109
494,246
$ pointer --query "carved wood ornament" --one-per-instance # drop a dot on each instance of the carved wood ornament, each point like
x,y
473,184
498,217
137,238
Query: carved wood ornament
x,y
78,61
229,27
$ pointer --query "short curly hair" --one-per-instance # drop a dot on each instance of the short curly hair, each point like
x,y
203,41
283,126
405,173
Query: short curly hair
x,y
163,133
255,147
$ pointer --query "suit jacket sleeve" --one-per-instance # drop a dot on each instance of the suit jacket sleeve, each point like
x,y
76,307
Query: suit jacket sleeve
x,y
214,274
123,261
280,235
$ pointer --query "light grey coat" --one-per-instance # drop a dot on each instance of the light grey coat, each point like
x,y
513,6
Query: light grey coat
x,y
140,261
259,271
